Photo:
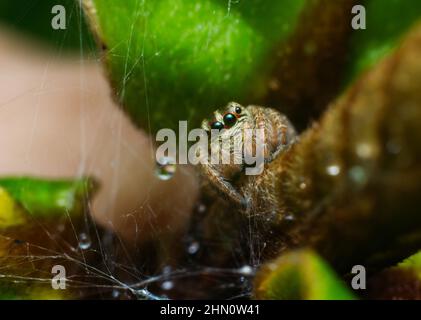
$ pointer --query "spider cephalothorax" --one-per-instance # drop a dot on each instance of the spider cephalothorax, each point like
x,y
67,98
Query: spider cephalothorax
x,y
232,124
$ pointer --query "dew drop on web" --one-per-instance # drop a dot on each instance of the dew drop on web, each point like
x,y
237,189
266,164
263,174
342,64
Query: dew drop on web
x,y
201,208
165,168
193,247
333,170
289,217
84,241
246,270
167,285
115,294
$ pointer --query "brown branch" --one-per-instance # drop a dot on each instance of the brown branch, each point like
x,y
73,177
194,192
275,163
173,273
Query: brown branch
x,y
351,187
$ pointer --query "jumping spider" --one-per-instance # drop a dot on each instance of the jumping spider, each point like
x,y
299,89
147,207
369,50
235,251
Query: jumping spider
x,y
231,122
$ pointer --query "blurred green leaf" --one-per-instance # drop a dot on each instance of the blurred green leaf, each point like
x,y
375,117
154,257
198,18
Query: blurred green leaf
x,y
412,263
48,198
11,213
300,275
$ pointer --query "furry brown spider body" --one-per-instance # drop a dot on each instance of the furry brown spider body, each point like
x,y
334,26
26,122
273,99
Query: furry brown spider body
x,y
231,124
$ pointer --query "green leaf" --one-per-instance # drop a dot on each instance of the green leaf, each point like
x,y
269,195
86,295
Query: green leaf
x,y
47,198
172,60
11,213
300,275
412,263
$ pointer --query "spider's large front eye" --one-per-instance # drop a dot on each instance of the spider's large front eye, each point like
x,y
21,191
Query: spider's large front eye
x,y
217,125
230,119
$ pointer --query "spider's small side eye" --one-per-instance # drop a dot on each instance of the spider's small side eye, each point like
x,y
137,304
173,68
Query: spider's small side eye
x,y
230,119
238,110
218,125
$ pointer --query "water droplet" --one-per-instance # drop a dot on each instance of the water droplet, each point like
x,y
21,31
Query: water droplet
x,y
289,217
166,270
201,208
115,294
84,241
365,150
143,294
393,147
333,170
358,175
246,270
193,247
165,168
167,285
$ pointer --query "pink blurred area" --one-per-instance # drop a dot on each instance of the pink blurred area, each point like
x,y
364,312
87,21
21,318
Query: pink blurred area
x,y
58,119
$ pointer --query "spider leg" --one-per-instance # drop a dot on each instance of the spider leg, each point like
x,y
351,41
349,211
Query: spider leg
x,y
284,143
222,184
